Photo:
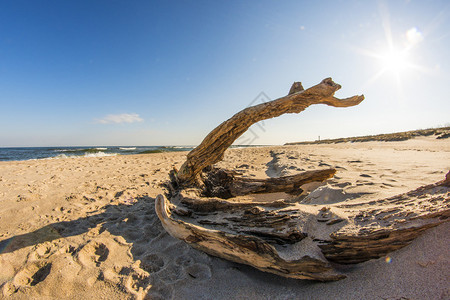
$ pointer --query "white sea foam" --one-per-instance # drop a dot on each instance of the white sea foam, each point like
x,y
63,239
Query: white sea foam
x,y
127,149
59,156
81,149
87,154
99,154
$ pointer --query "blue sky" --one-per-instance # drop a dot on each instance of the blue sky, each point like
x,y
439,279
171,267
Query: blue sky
x,y
168,72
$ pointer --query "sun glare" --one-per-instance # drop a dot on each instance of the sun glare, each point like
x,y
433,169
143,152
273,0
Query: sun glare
x,y
394,60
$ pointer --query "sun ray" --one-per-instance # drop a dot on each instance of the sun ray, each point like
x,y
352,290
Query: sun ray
x,y
394,59
385,22
372,79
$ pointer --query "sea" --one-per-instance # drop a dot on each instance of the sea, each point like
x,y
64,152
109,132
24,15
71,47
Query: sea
x,y
32,153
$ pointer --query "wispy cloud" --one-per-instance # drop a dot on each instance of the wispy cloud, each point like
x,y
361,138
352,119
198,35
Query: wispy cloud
x,y
121,118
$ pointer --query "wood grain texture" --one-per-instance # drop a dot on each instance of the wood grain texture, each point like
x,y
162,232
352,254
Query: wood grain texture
x,y
212,148
226,184
297,240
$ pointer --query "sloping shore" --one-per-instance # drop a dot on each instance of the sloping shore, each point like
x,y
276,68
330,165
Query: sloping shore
x,y
86,227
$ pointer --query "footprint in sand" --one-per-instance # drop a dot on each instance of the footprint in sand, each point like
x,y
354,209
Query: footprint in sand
x,y
138,283
160,291
194,269
152,263
199,271
44,250
172,274
93,254
32,274
184,261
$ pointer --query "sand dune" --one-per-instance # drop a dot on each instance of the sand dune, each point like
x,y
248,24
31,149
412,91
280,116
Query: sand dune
x,y
85,228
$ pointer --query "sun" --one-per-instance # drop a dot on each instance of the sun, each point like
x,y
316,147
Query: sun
x,y
394,60
395,57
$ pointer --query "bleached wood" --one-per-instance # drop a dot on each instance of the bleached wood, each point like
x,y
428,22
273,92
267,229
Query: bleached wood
x,y
208,209
299,241
212,148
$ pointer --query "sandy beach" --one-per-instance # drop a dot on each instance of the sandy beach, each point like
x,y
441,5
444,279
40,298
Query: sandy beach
x,y
86,228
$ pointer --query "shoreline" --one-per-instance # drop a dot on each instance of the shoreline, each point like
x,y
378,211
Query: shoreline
x,y
37,153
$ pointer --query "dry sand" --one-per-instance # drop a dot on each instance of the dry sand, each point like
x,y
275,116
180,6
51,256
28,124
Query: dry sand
x,y
85,228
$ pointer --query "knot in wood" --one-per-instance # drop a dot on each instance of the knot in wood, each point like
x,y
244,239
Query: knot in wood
x,y
254,210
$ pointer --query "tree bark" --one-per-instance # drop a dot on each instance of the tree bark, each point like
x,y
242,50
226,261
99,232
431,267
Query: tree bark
x,y
225,184
299,241
212,148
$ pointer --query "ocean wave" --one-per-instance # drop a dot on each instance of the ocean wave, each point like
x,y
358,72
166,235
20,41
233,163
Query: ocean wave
x,y
59,156
32,153
82,150
100,154
176,148
87,154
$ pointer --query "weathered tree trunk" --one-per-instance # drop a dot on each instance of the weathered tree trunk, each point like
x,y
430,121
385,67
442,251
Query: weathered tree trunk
x,y
225,184
298,241
207,207
211,150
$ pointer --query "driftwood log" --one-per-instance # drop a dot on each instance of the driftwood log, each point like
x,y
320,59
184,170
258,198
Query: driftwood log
x,y
207,207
